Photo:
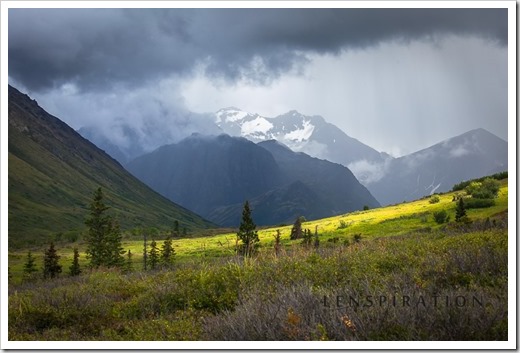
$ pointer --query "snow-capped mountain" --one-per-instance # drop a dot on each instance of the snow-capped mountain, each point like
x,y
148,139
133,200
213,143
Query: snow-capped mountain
x,y
301,133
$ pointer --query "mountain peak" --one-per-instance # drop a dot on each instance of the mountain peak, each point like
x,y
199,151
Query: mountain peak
x,y
230,114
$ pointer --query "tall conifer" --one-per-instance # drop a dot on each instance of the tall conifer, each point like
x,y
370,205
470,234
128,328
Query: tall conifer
x,y
51,266
247,233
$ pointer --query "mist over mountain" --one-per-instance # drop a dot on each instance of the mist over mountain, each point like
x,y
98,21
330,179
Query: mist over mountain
x,y
126,139
473,154
214,175
53,172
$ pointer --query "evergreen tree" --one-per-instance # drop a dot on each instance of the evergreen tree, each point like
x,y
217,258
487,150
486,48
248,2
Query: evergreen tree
x,y
153,255
316,238
51,266
104,236
307,237
296,231
460,211
277,244
74,269
176,231
167,252
247,233
129,267
29,268
145,253
114,250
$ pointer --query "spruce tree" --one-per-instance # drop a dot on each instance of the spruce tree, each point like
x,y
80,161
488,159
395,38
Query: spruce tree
x,y
74,269
153,255
277,244
307,237
247,233
145,253
104,236
51,266
460,211
296,231
176,231
29,268
129,265
114,250
167,252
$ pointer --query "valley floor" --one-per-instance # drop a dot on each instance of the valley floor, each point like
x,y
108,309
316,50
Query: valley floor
x,y
404,278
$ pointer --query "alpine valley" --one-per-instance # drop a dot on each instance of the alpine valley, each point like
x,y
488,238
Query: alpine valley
x,y
390,180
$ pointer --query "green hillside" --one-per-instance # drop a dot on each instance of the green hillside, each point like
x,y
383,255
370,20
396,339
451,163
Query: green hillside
x,y
53,172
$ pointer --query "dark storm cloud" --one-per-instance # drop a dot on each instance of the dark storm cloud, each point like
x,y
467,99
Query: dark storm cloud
x,y
99,48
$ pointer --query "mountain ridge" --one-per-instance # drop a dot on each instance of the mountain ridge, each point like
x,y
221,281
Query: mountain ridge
x,y
226,178
301,133
437,168
53,172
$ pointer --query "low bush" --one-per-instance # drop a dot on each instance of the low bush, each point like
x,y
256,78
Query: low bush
x,y
434,199
441,217
478,203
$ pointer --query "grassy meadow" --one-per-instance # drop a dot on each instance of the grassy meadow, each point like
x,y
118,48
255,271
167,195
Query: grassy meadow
x,y
391,273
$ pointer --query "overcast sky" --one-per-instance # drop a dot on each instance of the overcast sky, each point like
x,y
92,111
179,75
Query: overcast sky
x,y
396,79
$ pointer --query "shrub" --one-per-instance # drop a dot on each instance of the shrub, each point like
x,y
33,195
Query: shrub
x,y
441,217
434,199
487,189
479,203
342,224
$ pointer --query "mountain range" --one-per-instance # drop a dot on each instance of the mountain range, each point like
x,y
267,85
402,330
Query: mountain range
x,y
391,180
473,154
301,133
214,175
53,172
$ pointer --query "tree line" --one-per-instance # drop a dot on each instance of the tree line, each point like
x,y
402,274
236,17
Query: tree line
x,y
104,244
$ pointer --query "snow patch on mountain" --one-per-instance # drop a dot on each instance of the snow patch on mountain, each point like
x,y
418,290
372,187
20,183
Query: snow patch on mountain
x,y
230,115
258,127
302,134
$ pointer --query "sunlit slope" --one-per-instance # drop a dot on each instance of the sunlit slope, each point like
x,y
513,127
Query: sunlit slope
x,y
416,216
411,217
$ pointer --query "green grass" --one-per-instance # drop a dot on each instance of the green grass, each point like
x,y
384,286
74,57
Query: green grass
x,y
381,222
269,298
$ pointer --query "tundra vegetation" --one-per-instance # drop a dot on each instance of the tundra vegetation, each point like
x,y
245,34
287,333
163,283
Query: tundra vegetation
x,y
392,273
